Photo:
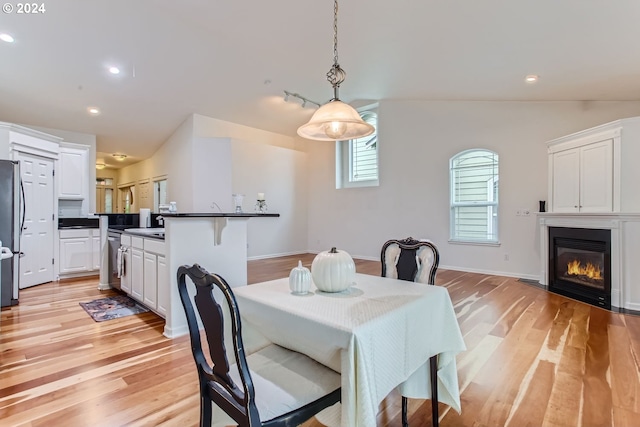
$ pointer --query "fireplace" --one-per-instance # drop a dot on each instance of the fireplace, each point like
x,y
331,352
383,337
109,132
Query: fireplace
x,y
580,264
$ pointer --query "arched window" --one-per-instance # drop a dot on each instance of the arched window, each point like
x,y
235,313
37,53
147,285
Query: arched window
x,y
474,196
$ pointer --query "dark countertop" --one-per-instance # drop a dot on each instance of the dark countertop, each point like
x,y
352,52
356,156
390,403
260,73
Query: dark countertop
x,y
157,236
219,215
76,223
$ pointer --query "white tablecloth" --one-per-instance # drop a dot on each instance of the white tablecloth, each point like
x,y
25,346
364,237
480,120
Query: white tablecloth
x,y
379,335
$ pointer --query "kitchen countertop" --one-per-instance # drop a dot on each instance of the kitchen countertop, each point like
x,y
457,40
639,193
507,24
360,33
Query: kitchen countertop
x,y
219,215
152,233
77,222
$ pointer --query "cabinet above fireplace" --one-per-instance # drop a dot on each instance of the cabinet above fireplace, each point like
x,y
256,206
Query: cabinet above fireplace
x,y
596,170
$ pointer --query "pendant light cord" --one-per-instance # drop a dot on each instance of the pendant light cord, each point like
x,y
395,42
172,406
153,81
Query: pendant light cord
x,y
336,74
335,33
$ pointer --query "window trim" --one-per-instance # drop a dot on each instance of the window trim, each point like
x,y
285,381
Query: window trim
x,y
343,157
489,203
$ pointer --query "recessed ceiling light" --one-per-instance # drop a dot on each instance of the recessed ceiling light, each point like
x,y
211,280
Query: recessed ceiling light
x,y
531,78
114,70
119,157
93,111
6,38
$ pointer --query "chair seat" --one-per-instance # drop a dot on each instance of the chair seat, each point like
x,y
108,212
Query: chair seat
x,y
284,380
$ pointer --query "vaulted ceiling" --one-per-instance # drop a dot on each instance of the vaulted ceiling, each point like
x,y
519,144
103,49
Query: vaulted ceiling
x,y
232,60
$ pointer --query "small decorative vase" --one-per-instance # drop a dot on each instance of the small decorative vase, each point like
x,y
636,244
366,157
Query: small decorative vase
x,y
333,271
300,280
237,202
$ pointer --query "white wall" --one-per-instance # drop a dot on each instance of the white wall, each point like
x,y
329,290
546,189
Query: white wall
x,y
209,127
281,175
172,159
211,174
207,160
417,139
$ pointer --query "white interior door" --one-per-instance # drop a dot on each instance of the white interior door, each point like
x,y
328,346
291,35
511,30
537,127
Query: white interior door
x,y
36,242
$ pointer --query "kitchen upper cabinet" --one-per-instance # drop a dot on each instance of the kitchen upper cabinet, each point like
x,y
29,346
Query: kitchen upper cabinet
x,y
73,172
596,170
582,178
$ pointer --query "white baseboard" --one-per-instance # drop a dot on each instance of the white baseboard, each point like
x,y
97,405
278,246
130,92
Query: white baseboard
x,y
491,272
443,267
175,332
256,257
103,286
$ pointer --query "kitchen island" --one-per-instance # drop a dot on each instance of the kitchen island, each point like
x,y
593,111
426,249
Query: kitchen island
x,y
216,241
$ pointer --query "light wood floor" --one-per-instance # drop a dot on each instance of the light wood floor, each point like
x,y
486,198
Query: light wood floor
x,y
533,359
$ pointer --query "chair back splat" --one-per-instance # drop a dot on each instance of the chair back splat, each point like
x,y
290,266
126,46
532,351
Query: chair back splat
x,y
238,404
276,379
410,259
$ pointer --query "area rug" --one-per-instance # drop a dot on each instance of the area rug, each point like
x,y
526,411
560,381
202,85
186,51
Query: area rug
x,y
112,308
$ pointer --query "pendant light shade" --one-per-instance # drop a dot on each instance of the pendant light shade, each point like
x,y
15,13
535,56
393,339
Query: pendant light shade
x,y
335,121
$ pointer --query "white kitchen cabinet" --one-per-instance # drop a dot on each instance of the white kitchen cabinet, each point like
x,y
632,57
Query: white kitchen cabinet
x,y
596,170
150,280
125,280
137,273
154,272
582,178
79,252
95,248
163,285
73,172
75,254
146,279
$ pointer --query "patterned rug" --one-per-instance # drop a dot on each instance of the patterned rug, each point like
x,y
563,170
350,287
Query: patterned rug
x,y
112,308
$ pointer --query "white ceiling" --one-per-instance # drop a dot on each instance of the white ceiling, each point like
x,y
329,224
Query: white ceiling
x,y
232,60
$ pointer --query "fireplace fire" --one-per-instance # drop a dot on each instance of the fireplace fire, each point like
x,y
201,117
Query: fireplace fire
x,y
580,264
591,271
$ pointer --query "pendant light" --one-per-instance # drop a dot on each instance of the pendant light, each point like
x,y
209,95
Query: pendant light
x,y
335,120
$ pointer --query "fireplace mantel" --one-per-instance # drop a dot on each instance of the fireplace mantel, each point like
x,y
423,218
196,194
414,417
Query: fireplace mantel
x,y
625,250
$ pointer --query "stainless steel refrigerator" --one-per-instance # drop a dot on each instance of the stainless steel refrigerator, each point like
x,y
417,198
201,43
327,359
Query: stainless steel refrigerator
x,y
11,220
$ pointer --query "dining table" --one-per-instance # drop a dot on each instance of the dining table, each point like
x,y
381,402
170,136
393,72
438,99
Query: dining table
x,y
379,334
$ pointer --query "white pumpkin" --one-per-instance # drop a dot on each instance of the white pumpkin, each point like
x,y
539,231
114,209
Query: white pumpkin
x,y
333,271
300,279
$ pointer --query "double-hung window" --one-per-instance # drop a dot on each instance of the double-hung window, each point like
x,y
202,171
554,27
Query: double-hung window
x,y
474,196
357,159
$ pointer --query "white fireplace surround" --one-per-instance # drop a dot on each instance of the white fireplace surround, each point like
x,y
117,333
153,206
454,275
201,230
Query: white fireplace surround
x,y
625,250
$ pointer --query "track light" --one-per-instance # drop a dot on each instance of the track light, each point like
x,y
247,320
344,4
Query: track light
x,y
304,100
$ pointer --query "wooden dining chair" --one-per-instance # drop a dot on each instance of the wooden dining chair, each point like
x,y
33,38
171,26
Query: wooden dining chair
x,y
272,387
415,261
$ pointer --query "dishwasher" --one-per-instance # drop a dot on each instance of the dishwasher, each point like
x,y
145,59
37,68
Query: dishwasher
x,y
114,246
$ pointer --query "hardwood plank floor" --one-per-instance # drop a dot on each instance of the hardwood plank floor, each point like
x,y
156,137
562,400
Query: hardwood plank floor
x,y
533,359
